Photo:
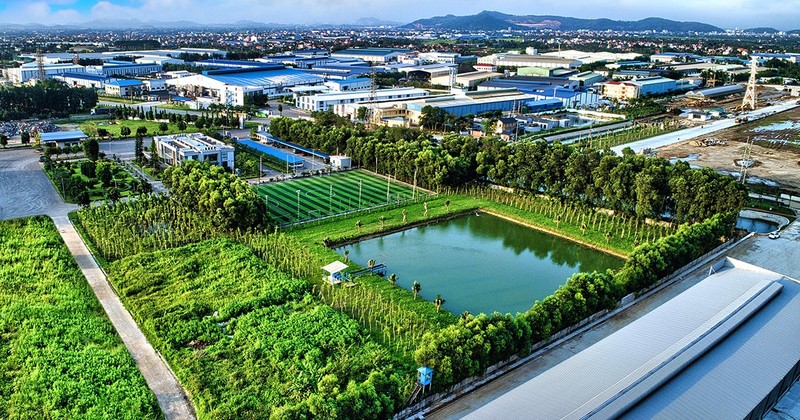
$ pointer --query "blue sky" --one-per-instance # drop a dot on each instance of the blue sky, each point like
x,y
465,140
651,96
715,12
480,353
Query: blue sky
x,y
724,13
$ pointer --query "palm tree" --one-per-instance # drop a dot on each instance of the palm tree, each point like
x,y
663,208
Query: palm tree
x,y
393,278
438,302
416,287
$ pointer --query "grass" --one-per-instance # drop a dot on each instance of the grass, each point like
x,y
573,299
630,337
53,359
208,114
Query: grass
x,y
59,356
114,127
330,195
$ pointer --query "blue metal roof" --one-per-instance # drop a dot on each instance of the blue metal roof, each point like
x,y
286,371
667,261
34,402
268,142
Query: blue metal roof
x,y
85,76
290,159
312,152
279,76
63,136
124,82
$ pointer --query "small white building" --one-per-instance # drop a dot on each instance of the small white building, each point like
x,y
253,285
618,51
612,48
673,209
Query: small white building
x,y
85,80
155,85
177,148
340,162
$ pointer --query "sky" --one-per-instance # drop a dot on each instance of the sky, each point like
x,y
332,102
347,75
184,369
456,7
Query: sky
x,y
728,14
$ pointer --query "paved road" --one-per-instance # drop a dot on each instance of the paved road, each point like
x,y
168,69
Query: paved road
x,y
690,133
26,191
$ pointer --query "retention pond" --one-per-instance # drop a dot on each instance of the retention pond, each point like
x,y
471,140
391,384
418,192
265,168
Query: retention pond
x,y
480,263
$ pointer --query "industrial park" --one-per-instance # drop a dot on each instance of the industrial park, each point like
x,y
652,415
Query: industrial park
x,y
476,216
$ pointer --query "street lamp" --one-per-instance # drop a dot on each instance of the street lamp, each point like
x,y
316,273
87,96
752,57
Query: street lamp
x,y
298,205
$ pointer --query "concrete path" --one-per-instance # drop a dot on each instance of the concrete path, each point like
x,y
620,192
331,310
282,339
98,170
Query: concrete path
x,y
159,377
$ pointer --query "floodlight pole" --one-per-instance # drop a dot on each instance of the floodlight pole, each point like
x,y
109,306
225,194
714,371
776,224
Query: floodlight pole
x,y
298,205
359,194
330,199
388,184
259,168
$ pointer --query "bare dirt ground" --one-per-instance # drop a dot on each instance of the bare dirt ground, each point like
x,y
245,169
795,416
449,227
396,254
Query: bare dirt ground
x,y
776,152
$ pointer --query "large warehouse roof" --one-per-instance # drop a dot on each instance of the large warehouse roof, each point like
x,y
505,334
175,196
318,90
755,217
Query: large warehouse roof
x,y
715,91
254,77
725,348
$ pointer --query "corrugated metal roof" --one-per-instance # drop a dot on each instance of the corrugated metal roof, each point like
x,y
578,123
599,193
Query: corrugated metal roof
x,y
735,333
62,136
281,77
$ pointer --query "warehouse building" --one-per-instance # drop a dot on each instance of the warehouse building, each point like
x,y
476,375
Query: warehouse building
x,y
29,71
646,86
725,348
128,69
525,60
231,86
177,148
84,80
715,92
125,87
468,80
326,101
371,55
63,138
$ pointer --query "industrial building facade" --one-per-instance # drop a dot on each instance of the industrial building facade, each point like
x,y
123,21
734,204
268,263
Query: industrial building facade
x,y
177,148
326,101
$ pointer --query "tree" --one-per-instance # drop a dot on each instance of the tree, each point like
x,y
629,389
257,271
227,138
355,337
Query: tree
x,y
280,109
447,205
358,225
113,194
182,125
163,127
362,113
346,255
438,302
104,173
141,130
139,149
200,123
26,137
125,131
91,149
88,169
416,288
3,140
84,199
102,133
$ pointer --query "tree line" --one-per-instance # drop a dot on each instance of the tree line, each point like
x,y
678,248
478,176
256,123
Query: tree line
x,y
45,99
630,184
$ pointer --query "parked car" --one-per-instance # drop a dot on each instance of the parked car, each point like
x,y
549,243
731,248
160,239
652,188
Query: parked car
x,y
774,235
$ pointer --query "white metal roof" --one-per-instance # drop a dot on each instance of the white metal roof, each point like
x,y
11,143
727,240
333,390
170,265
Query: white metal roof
x,y
714,351
335,267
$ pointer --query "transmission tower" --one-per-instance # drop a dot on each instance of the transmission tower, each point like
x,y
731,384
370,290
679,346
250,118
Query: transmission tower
x,y
749,100
373,98
453,77
41,73
746,162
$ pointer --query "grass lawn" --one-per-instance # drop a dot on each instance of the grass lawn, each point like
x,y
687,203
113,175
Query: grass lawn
x,y
114,126
328,195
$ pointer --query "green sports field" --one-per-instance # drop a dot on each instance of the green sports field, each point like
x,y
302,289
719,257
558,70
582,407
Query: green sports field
x,y
327,195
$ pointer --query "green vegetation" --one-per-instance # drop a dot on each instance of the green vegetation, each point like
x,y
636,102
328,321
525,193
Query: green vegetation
x,y
635,133
216,195
59,355
248,341
330,195
85,181
49,98
117,128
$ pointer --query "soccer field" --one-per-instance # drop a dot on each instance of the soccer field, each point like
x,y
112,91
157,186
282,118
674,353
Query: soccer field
x,y
328,195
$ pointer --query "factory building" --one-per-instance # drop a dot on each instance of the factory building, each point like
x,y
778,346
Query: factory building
x,y
125,87
715,92
231,86
326,101
127,69
726,348
444,58
29,71
647,86
468,80
84,80
675,57
177,148
525,60
371,55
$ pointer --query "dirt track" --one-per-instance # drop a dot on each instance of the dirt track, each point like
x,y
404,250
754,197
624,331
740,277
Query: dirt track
x,y
775,162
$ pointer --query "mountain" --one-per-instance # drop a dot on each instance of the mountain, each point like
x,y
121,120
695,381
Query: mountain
x,y
371,21
492,21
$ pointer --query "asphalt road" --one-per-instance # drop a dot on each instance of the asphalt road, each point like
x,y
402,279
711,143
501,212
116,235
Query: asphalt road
x,y
690,133
25,190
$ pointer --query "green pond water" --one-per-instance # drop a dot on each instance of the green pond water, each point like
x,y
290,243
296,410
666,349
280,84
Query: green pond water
x,y
480,263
